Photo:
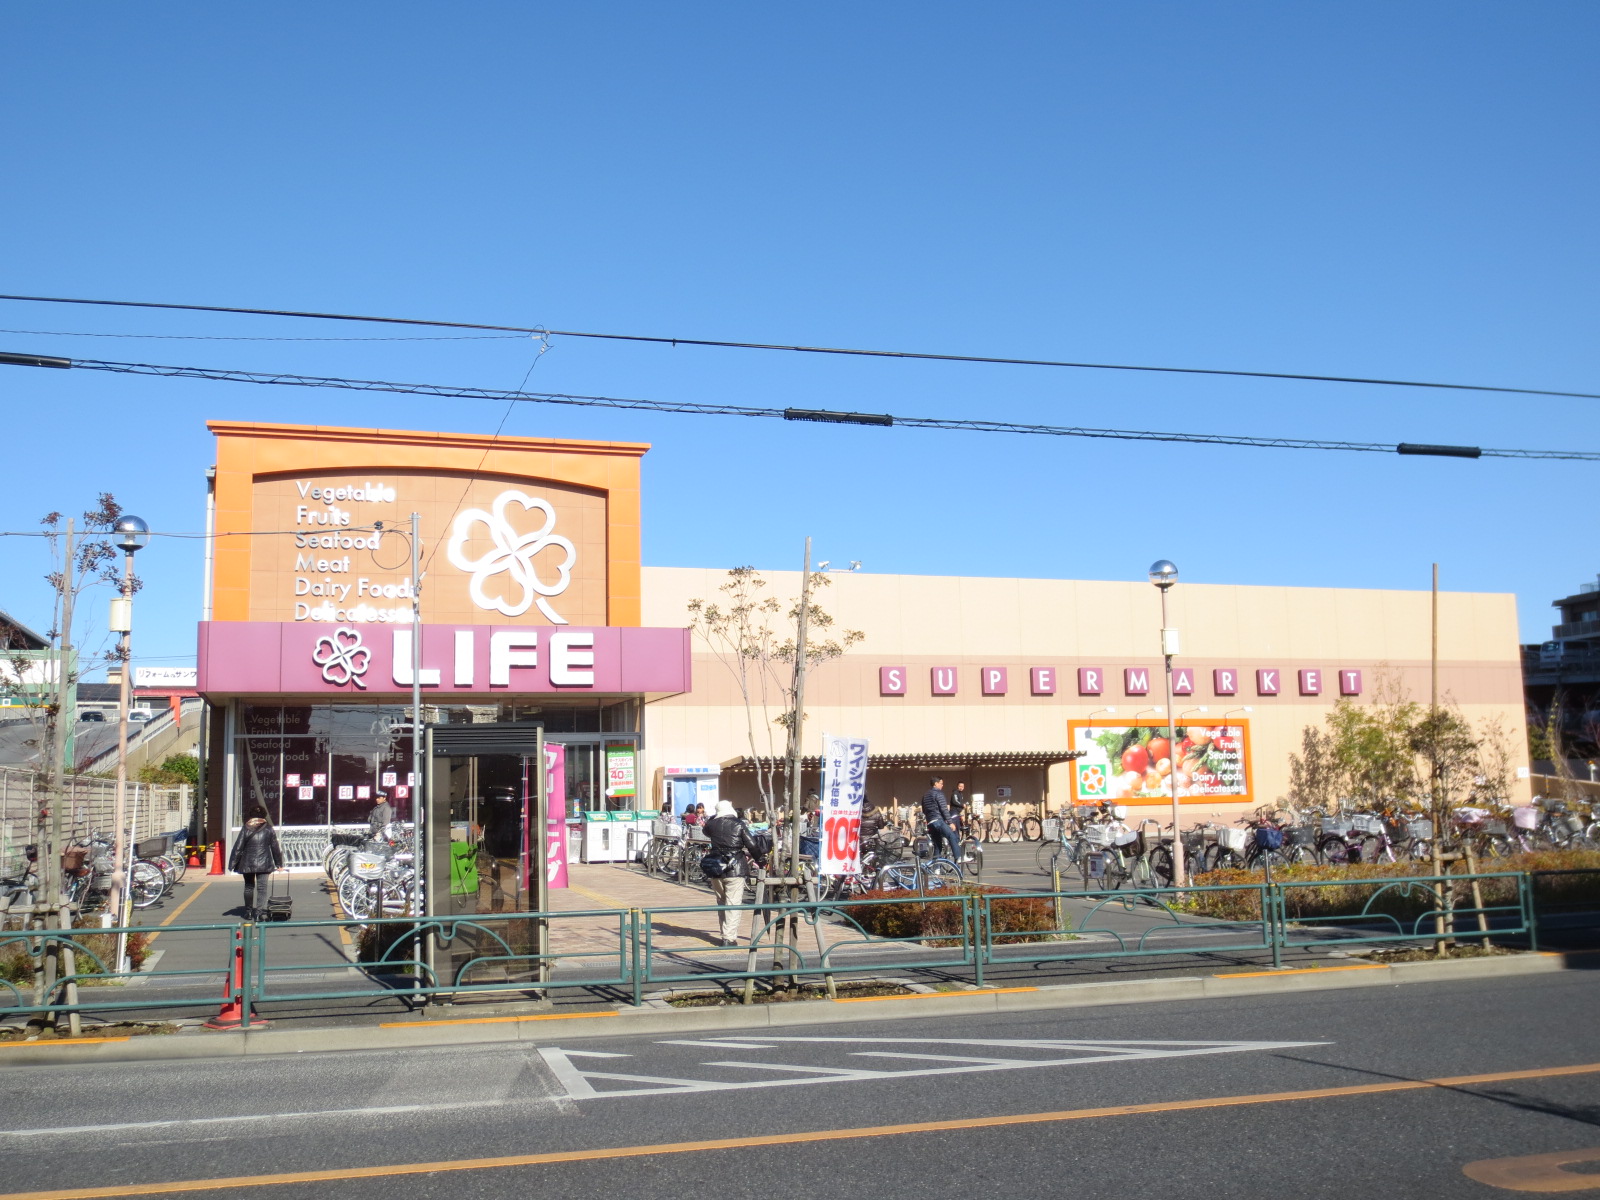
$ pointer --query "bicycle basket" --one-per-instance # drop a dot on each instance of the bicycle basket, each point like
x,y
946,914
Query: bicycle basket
x,y
1420,829
1233,839
1568,825
1526,817
1497,827
152,846
1098,835
1301,835
1269,837
1366,823
1052,830
1337,826
364,865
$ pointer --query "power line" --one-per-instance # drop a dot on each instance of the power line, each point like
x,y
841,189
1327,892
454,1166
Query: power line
x,y
792,414
218,337
838,350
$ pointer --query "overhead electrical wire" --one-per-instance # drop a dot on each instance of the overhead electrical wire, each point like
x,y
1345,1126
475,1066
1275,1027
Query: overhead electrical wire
x,y
790,414
837,350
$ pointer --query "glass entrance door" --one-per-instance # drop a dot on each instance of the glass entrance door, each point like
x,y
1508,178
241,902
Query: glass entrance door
x,y
486,855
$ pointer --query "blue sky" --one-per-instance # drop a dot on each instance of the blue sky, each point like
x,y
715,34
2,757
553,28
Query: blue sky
x,y
1362,189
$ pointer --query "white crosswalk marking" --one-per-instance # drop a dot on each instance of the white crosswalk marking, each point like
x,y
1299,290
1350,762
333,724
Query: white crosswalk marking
x,y
1016,1054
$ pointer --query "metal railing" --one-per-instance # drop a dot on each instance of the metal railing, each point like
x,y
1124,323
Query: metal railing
x,y
627,951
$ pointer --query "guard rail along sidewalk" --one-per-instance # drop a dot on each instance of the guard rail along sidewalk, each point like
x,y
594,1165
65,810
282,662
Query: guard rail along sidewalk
x,y
625,953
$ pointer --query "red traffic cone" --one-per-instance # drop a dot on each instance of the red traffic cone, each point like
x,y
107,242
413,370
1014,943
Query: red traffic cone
x,y
232,1014
216,860
194,857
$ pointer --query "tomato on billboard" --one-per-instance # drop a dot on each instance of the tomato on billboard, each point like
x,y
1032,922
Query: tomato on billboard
x,y
1135,764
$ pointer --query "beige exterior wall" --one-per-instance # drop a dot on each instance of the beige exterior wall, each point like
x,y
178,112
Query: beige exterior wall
x,y
922,622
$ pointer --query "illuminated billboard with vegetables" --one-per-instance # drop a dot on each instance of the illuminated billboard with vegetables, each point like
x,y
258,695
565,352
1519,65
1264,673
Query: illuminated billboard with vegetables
x,y
1133,764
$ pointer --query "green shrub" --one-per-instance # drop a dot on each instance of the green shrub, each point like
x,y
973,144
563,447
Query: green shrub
x,y
936,916
1354,891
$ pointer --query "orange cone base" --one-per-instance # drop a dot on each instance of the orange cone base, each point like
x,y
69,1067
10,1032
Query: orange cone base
x,y
232,1017
194,858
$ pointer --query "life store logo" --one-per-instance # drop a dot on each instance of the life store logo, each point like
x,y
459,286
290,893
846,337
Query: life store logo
x,y
512,555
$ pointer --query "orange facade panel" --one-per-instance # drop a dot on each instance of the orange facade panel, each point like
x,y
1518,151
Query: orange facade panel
x,y
313,522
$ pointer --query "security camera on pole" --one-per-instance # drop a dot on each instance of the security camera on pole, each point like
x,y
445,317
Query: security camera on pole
x,y
1164,574
130,534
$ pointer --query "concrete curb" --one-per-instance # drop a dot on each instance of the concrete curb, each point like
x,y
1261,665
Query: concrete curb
x,y
549,1027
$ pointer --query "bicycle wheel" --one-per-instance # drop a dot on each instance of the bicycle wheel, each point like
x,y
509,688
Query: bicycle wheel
x,y
971,856
1045,856
939,874
1228,860
169,871
1376,849
897,877
1161,873
349,886
1333,850
363,899
1495,846
146,885
1116,870
1014,829
1032,829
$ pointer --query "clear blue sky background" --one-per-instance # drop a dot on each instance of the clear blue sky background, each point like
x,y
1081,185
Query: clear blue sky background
x,y
1356,188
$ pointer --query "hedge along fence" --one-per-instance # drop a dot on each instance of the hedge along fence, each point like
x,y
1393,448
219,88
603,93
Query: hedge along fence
x,y
17,961
937,916
1310,904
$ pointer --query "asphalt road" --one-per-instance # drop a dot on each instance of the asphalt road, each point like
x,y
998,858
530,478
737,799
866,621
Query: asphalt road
x,y
1026,1096
19,740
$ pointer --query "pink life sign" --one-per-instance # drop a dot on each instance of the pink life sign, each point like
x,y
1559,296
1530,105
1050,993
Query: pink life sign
x,y
555,826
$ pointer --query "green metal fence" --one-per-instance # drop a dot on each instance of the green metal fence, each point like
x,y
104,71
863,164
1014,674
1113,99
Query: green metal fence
x,y
627,952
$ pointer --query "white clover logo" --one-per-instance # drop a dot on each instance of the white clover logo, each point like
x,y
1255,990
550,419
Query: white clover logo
x,y
512,555
342,657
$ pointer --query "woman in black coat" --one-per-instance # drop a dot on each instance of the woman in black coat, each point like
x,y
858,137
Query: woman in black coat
x,y
256,855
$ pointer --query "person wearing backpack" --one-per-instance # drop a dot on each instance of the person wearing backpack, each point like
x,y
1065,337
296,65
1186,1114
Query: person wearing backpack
x,y
732,859
936,812
255,855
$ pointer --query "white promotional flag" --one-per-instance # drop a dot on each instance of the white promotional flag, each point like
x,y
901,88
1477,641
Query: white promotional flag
x,y
844,790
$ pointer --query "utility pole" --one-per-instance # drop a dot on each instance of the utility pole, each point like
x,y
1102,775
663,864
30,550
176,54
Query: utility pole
x,y
797,716
415,790
63,746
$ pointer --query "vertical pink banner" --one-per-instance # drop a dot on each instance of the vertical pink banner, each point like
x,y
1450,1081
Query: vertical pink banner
x,y
555,840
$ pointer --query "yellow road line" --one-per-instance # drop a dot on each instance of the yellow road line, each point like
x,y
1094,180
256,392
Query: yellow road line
x,y
175,912
64,1042
1304,971
932,995
776,1139
609,1012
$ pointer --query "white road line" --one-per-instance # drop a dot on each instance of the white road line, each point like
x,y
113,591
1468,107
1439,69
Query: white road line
x,y
179,1123
719,1045
853,1073
1059,1054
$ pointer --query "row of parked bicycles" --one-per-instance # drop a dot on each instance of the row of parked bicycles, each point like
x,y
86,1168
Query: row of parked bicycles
x,y
157,867
374,875
1100,844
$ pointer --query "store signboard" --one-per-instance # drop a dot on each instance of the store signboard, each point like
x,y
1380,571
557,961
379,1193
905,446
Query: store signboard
x,y
844,790
278,658
173,677
1132,764
620,781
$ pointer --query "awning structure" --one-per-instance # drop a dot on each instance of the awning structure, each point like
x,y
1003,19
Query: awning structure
x,y
931,760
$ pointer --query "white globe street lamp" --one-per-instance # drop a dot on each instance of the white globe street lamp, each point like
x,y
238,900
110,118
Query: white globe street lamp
x,y
1163,574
